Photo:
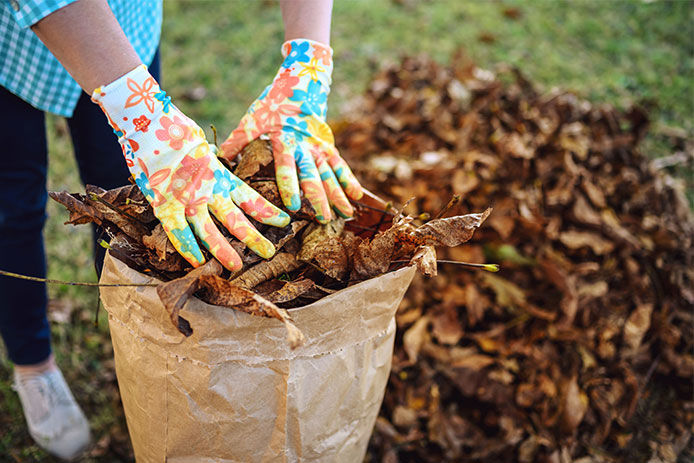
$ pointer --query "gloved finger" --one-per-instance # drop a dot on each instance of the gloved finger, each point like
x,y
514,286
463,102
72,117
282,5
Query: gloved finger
x,y
255,205
173,221
213,239
239,226
238,138
344,174
333,190
283,147
311,184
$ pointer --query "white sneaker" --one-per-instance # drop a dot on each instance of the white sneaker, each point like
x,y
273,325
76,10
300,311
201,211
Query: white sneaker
x,y
55,421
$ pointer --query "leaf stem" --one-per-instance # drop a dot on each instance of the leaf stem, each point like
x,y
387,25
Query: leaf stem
x,y
214,133
488,267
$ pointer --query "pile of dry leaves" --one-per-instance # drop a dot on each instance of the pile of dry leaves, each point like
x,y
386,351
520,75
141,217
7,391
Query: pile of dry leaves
x,y
580,349
312,260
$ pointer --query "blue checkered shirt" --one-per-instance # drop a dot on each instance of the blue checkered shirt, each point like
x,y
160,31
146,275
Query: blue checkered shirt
x,y
31,72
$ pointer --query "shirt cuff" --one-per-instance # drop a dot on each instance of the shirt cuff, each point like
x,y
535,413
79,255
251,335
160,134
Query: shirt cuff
x,y
29,12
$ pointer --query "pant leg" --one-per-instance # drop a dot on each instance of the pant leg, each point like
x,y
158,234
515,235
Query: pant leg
x,y
98,154
23,163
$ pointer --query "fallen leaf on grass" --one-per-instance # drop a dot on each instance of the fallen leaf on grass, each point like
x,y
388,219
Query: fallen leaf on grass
x,y
574,406
415,337
574,239
637,324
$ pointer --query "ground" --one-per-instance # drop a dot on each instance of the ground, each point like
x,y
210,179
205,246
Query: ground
x,y
217,56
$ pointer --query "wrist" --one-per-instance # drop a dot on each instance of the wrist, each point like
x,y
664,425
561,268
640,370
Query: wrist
x,y
132,101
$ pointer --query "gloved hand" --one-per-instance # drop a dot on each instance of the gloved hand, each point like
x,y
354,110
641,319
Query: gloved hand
x,y
292,111
173,166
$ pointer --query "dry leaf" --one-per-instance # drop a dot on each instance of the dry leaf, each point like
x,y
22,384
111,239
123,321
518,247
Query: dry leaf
x,y
415,337
174,294
316,235
574,239
473,361
425,260
291,290
450,231
159,242
373,257
637,324
218,291
80,212
445,326
574,406
254,156
282,262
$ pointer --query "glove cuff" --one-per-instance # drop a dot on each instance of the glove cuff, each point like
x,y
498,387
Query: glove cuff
x,y
132,101
308,57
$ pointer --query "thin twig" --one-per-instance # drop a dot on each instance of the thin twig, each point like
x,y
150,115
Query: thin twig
x,y
373,208
71,283
381,220
453,201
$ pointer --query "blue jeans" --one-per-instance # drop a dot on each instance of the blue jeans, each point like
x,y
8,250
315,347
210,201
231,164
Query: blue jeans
x,y
23,164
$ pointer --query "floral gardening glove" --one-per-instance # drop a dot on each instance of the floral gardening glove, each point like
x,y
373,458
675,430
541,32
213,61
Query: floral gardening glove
x,y
175,169
291,111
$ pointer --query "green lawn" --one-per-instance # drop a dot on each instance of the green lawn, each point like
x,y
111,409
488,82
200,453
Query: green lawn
x,y
608,51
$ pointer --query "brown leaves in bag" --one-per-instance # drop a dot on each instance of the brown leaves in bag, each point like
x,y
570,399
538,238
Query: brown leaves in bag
x,y
425,260
291,290
373,257
254,156
218,291
159,242
451,231
282,262
175,293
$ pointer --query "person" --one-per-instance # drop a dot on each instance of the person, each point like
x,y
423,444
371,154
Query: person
x,y
51,51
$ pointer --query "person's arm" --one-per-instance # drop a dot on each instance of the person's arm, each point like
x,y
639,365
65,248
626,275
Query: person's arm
x,y
166,152
292,112
88,41
307,19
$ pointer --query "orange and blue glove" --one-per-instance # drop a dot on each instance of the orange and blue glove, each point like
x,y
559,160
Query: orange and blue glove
x,y
292,112
176,170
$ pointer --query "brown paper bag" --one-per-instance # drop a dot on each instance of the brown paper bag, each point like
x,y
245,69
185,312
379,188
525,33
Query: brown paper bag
x,y
234,392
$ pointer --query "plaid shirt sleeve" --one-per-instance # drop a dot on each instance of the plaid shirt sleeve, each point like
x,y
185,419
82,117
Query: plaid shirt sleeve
x,y
29,12
30,71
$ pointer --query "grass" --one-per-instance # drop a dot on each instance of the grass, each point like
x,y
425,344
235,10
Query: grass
x,y
619,52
